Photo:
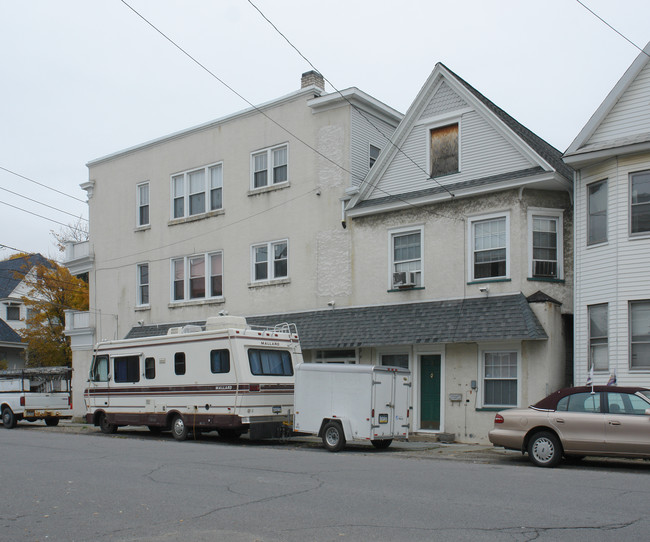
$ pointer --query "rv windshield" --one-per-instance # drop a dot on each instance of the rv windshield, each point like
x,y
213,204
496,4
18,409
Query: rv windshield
x,y
270,362
99,371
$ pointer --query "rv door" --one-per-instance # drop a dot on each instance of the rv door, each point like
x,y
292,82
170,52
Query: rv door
x,y
98,384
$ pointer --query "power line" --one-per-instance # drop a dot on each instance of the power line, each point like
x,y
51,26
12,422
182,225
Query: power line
x,y
41,216
41,184
610,26
362,113
262,112
41,203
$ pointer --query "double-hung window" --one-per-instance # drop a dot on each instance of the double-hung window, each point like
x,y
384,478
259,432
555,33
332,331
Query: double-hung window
x,y
143,204
406,258
197,192
598,337
489,245
640,335
545,244
640,202
597,213
269,166
270,261
500,379
197,277
374,154
13,312
142,284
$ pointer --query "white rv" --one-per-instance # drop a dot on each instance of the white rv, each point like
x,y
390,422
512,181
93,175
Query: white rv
x,y
230,377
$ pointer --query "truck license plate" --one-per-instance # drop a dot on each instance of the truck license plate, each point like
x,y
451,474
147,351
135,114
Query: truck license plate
x,y
383,418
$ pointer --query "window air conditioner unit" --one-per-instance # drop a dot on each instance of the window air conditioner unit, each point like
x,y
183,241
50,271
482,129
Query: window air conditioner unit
x,y
404,279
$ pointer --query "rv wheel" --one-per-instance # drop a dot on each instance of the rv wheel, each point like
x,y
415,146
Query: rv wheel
x,y
333,437
105,426
51,422
179,429
8,418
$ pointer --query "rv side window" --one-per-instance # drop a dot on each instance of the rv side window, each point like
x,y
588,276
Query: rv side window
x,y
99,372
127,369
220,361
149,368
179,363
270,362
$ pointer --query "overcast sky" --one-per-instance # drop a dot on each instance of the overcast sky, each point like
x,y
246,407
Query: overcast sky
x,y
82,79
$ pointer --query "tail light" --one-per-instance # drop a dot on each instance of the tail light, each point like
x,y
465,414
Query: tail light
x,y
22,400
498,419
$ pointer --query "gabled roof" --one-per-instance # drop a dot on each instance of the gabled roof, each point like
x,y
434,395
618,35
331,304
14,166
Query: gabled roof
x,y
12,272
494,318
8,335
543,155
581,146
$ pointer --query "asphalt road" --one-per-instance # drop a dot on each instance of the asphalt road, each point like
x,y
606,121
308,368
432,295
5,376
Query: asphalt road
x,y
61,484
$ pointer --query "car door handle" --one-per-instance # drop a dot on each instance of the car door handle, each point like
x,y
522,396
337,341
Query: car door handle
x,y
559,420
614,422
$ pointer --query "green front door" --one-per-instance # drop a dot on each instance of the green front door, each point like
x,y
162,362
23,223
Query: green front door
x,y
430,392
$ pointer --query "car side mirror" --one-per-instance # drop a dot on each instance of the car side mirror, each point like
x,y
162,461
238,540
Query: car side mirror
x,y
647,411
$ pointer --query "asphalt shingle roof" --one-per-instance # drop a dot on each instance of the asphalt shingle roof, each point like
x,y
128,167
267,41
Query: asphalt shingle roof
x,y
495,318
12,272
7,334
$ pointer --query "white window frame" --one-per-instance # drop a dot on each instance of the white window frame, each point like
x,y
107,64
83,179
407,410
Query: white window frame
x,y
597,340
558,216
269,152
498,349
394,352
140,204
400,232
140,286
336,356
186,191
587,234
270,261
470,245
631,204
187,278
639,368
441,122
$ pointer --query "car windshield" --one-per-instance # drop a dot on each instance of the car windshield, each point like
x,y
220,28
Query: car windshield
x,y
646,394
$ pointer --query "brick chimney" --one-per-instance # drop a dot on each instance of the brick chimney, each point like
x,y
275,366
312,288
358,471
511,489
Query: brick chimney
x,y
312,78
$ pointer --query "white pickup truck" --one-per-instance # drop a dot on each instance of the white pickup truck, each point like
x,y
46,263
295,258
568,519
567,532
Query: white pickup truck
x,y
39,393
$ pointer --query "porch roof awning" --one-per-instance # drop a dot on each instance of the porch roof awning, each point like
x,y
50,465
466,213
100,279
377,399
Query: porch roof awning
x,y
497,318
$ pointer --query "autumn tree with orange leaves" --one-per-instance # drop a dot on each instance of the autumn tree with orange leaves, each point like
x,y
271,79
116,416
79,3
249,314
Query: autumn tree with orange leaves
x,y
52,290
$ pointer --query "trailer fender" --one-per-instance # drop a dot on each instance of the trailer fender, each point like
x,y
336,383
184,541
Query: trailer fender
x,y
344,422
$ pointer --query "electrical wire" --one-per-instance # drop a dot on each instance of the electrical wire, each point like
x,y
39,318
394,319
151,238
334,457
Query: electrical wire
x,y
41,216
41,184
362,113
43,204
610,26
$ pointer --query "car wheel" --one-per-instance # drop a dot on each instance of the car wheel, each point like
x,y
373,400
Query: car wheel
x,y
9,418
544,449
382,444
105,426
333,437
179,429
51,422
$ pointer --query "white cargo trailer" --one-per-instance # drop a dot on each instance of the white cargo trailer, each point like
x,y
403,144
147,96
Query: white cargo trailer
x,y
35,393
342,403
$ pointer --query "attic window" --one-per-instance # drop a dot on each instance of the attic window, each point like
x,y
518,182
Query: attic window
x,y
444,150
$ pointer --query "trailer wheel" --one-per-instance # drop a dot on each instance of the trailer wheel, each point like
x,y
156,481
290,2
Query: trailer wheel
x,y
105,426
333,437
51,422
8,418
382,444
179,429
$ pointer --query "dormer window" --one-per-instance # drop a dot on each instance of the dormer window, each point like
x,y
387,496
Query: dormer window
x,y
443,150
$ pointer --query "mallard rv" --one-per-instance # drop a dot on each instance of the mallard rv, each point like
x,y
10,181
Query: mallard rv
x,y
229,377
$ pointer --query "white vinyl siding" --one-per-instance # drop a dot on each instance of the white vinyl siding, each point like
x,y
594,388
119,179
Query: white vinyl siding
x,y
631,114
363,134
483,153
